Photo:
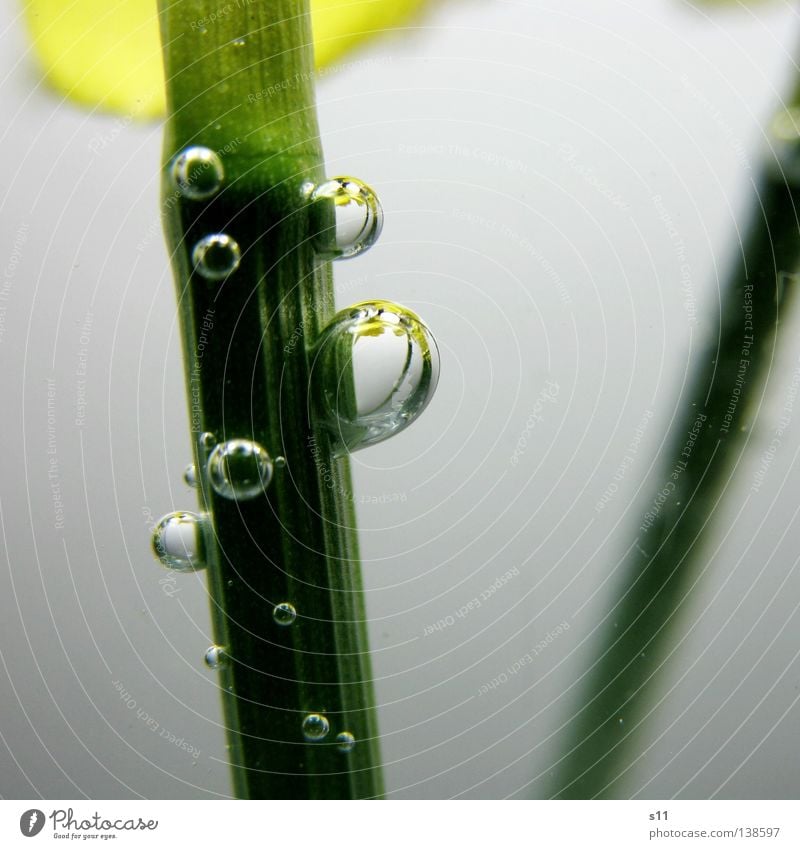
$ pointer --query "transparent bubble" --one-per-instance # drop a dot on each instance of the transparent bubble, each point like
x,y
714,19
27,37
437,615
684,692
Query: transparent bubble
x,y
345,741
375,369
178,542
208,440
239,469
315,727
284,614
215,657
348,219
217,256
197,173
190,475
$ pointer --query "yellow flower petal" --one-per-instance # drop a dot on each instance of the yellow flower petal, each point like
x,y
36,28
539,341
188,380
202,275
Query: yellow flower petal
x,y
339,25
108,55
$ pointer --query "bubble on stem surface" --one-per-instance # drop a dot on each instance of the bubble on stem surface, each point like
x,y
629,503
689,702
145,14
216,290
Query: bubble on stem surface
x,y
197,173
315,727
348,217
284,614
178,541
216,256
215,657
375,369
345,741
239,469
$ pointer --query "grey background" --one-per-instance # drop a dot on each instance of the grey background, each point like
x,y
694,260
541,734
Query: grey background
x,y
518,148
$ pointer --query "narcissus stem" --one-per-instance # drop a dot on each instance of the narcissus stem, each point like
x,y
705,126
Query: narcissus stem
x,y
240,95
705,451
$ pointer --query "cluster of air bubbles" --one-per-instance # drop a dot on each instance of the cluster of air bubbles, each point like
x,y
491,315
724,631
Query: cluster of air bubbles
x,y
239,469
216,256
179,541
376,366
284,614
347,217
197,173
315,727
215,657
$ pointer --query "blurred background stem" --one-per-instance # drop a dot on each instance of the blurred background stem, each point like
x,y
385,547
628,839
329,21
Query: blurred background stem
x,y
710,437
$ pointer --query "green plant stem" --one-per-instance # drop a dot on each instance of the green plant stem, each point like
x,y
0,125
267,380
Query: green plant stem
x,y
241,84
658,574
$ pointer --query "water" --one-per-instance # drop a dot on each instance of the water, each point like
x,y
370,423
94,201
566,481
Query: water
x,y
349,218
178,542
215,257
376,367
197,173
215,657
284,614
190,475
239,469
315,727
345,741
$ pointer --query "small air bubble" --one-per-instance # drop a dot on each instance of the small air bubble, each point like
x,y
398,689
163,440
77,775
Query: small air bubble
x,y
215,657
284,614
239,469
216,256
345,741
197,173
190,475
315,727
